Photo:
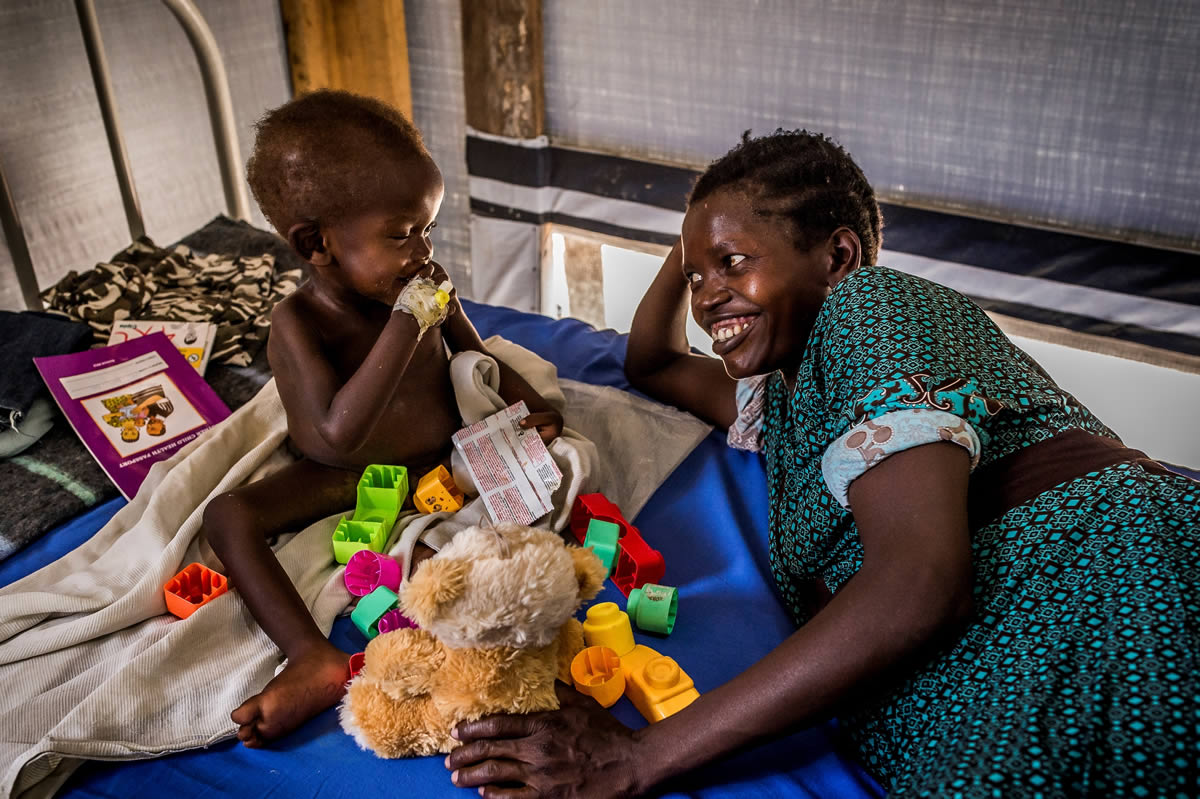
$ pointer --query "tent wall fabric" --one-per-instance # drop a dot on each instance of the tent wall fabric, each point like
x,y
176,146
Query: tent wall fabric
x,y
1081,115
1145,301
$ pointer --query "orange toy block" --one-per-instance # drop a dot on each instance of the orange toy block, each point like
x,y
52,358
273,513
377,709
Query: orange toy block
x,y
193,588
655,684
436,492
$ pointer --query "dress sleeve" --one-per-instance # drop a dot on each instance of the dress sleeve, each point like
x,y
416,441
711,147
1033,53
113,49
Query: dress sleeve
x,y
897,343
746,432
869,443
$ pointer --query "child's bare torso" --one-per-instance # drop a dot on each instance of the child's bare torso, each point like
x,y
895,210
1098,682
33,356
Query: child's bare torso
x,y
414,429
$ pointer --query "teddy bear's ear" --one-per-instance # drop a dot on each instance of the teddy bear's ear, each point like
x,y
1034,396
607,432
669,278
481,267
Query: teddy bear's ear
x,y
435,583
589,571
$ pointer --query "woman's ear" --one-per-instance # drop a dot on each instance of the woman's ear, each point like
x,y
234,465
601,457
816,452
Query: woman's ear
x,y
306,239
845,254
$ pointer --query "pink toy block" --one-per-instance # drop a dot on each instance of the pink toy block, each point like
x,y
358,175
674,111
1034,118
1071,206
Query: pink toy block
x,y
394,620
367,570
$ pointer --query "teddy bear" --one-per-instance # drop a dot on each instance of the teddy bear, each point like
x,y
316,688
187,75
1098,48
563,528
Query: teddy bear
x,y
495,609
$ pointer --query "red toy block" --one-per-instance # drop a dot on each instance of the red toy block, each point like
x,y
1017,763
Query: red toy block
x,y
357,660
594,506
637,564
192,588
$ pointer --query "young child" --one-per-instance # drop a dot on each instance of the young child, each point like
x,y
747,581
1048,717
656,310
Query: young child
x,y
348,182
1035,635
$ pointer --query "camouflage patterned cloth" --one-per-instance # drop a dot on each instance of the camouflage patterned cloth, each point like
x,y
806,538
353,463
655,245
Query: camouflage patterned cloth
x,y
147,282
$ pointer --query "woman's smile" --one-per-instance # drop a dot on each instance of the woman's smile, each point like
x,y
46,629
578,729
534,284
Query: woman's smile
x,y
729,333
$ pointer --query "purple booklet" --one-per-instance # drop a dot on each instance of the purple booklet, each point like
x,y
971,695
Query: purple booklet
x,y
133,404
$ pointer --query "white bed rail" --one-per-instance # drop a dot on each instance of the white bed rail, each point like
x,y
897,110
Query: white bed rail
x,y
220,112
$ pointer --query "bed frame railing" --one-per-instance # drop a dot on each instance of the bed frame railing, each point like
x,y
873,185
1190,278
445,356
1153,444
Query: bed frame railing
x,y
220,112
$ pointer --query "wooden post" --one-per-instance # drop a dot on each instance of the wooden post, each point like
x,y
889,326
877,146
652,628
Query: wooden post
x,y
356,45
503,74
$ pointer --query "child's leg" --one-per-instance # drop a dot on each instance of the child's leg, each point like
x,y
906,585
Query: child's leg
x,y
238,525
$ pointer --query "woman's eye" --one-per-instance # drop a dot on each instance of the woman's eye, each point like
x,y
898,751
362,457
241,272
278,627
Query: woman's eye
x,y
400,237
429,229
734,260
692,278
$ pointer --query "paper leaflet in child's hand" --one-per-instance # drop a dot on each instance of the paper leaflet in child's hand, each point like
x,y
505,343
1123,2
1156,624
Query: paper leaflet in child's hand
x,y
511,467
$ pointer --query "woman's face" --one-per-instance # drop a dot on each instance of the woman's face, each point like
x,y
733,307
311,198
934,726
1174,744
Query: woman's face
x,y
752,290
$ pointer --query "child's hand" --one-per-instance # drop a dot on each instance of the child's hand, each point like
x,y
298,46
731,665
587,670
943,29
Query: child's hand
x,y
548,424
437,275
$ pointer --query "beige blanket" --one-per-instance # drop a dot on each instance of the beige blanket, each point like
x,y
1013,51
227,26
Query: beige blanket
x,y
91,665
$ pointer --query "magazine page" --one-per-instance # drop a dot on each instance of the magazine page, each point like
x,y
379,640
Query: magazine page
x,y
132,404
193,339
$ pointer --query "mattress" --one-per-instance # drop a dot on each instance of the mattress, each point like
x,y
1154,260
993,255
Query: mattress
x,y
708,519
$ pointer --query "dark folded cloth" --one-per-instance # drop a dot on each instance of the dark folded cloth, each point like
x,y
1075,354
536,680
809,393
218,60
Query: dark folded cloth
x,y
28,335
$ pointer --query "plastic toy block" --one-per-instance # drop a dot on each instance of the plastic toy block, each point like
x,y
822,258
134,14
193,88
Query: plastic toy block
x,y
592,506
367,570
653,607
356,663
381,493
353,536
596,671
394,620
607,625
370,610
637,564
193,588
436,492
655,684
602,539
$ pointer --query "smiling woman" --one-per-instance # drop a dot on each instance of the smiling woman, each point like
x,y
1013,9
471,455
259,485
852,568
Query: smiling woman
x,y
994,595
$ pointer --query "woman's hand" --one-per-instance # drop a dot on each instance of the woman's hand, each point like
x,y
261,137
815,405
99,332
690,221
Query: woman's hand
x,y
578,751
549,425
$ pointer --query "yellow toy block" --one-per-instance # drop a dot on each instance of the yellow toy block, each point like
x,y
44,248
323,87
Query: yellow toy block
x,y
655,684
436,492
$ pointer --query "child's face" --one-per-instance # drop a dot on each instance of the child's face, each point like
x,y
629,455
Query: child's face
x,y
381,247
752,290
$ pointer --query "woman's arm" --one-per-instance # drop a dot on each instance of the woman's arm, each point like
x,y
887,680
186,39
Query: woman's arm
x,y
914,588
658,360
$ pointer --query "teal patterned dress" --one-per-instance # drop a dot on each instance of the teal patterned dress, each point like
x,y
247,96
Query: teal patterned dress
x,y
1077,672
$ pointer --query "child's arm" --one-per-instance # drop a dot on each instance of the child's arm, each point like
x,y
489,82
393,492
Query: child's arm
x,y
658,360
461,336
322,410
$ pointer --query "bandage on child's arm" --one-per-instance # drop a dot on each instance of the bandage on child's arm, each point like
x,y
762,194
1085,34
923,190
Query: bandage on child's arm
x,y
428,302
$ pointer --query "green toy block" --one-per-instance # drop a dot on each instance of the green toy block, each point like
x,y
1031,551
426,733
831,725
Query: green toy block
x,y
653,608
381,493
370,610
602,539
351,536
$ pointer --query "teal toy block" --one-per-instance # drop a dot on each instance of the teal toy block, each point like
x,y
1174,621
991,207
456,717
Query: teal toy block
x,y
351,536
602,539
381,493
371,608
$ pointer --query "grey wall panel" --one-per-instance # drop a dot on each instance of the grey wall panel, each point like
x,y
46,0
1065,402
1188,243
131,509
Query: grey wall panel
x,y
1081,114
435,64
52,142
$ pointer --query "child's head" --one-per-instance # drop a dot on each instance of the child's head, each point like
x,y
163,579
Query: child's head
x,y
805,178
347,181
317,158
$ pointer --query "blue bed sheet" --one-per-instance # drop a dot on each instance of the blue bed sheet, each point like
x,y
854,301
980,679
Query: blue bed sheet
x,y
709,521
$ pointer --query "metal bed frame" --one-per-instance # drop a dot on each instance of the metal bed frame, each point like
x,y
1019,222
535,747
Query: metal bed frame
x,y
220,112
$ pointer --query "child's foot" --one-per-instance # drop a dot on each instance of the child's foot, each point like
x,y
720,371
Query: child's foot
x,y
305,687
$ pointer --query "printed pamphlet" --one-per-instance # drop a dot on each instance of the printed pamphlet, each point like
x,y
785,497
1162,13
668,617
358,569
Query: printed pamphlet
x,y
133,404
511,467
193,339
